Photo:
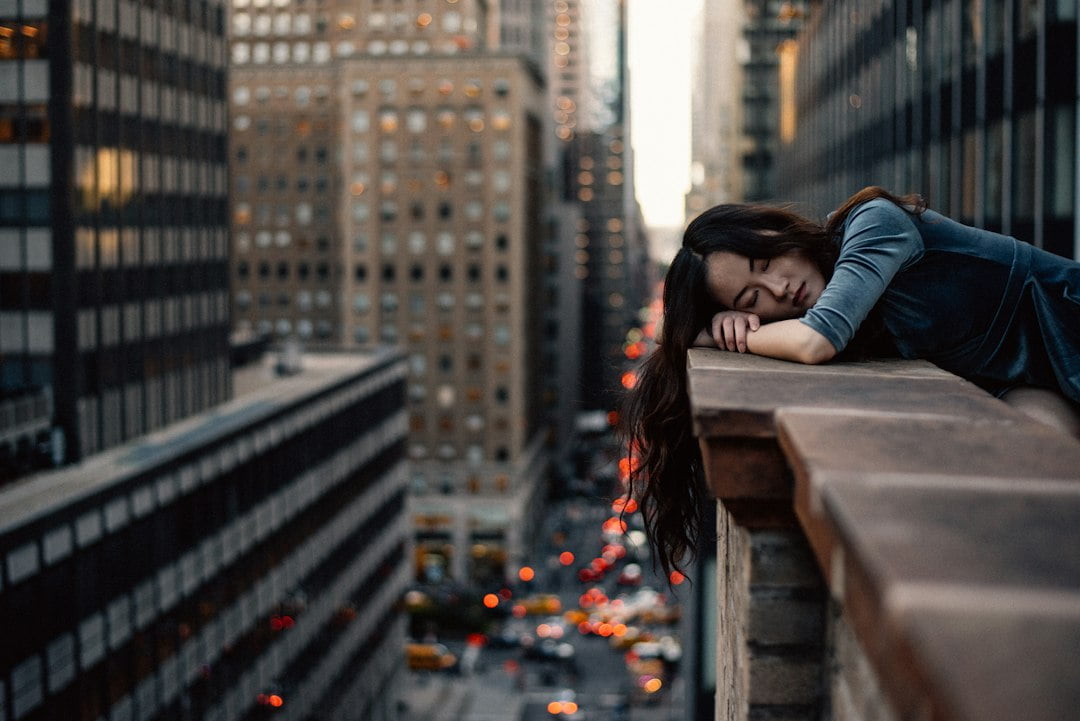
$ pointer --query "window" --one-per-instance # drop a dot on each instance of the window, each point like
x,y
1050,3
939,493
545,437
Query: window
x,y
416,120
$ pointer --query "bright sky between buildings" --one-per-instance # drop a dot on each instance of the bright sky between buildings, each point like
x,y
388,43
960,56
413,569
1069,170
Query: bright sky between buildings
x,y
659,47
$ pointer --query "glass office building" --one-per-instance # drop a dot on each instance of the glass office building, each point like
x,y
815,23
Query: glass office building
x,y
971,103
113,218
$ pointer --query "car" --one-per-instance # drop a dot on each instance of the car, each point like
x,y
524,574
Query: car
x,y
564,704
630,576
429,657
549,649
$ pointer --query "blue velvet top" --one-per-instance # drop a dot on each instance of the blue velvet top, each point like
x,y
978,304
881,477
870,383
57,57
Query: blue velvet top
x,y
984,306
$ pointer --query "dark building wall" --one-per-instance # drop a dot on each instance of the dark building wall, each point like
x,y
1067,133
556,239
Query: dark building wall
x,y
973,104
257,550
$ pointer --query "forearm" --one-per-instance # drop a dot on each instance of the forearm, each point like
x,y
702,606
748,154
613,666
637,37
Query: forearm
x,y
790,340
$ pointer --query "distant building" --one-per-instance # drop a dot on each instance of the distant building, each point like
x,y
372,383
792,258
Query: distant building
x,y
770,26
251,556
113,223
610,254
388,188
973,105
717,141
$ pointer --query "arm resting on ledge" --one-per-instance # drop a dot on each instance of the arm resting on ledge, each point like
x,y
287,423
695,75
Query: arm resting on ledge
x,y
787,340
790,340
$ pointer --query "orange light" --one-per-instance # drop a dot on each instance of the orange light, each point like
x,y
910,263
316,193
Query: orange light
x,y
629,379
613,418
676,578
653,685
584,627
276,701
518,611
605,630
554,707
569,708
566,558
619,630
491,600
526,573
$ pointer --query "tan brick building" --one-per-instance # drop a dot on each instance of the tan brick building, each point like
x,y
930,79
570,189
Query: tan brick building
x,y
387,190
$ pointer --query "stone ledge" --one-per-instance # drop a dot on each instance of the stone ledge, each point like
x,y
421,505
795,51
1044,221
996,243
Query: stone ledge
x,y
944,522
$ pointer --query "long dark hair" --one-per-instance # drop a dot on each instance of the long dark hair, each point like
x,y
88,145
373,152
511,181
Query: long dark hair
x,y
665,471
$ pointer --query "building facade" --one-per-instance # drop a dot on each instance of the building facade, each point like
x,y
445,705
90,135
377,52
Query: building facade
x,y
113,221
388,189
971,104
716,143
769,28
250,557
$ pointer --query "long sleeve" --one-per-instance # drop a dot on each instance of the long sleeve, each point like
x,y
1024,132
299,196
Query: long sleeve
x,y
879,240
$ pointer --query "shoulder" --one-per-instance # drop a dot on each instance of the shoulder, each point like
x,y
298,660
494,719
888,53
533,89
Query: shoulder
x,y
879,210
879,226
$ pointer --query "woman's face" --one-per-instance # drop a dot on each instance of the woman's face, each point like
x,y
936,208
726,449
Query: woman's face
x,y
775,289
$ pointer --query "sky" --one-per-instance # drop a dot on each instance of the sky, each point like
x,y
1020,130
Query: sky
x,y
659,57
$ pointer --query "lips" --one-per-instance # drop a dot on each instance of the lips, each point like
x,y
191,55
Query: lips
x,y
800,295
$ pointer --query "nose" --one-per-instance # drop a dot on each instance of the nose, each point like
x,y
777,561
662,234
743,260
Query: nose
x,y
775,284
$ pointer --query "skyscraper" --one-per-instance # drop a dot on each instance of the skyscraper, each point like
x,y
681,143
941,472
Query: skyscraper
x,y
387,189
113,224
717,96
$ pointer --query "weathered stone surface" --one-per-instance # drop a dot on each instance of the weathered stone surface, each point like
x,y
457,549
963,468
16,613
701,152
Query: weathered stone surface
x,y
776,680
738,397
999,666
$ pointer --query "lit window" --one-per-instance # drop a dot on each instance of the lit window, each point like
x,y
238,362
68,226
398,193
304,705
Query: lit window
x,y
322,299
262,25
260,53
377,47
417,242
474,331
416,120
474,210
241,53
421,47
445,117
242,122
281,53
361,303
320,52
360,152
388,151
474,118
500,181
446,396
377,21
452,21
345,49
474,178
474,239
500,120
502,211
444,243
302,24
445,301
241,24
282,23
361,212
303,213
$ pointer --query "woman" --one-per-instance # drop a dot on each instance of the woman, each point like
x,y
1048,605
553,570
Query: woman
x,y
884,276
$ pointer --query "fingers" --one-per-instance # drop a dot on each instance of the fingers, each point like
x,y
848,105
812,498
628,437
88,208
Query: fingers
x,y
730,329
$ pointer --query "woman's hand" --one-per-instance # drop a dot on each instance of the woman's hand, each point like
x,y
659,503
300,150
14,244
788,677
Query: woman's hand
x,y
730,327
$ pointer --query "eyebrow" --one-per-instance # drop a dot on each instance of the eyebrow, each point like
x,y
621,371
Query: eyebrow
x,y
735,302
